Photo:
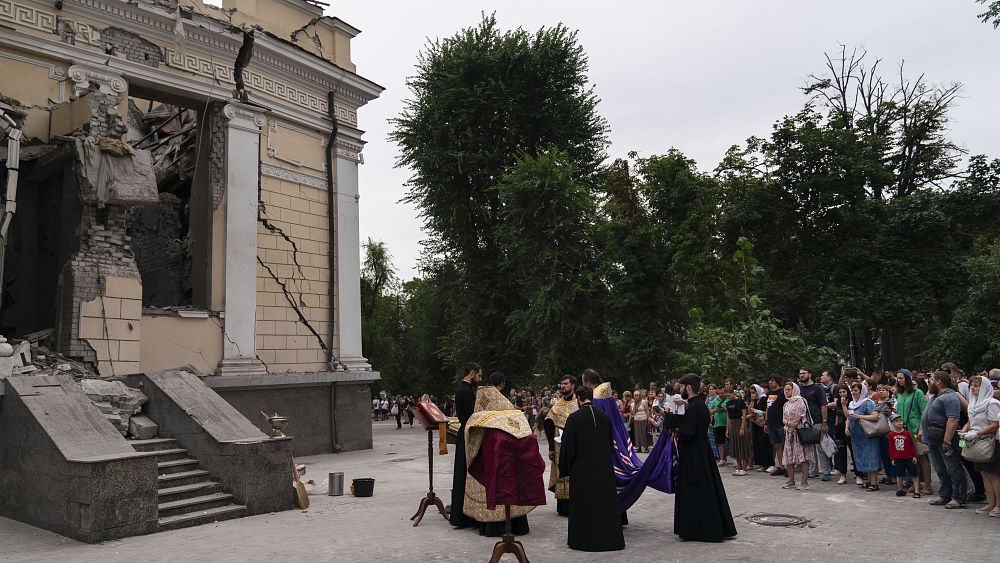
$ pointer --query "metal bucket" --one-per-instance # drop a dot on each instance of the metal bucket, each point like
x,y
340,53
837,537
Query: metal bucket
x,y
336,481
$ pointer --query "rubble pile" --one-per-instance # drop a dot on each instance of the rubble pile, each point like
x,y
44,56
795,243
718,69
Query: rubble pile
x,y
118,403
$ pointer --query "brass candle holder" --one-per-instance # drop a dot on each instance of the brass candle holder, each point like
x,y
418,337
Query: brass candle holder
x,y
277,422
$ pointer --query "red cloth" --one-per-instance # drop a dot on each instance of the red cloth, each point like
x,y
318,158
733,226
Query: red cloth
x,y
901,445
511,470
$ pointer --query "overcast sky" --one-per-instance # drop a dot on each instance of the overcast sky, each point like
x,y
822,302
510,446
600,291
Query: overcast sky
x,y
698,75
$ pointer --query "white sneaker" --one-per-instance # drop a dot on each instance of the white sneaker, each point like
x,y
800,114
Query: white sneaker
x,y
858,481
834,472
771,470
721,463
842,480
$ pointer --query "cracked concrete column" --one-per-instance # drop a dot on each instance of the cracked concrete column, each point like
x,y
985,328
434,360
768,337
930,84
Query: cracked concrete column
x,y
348,275
239,354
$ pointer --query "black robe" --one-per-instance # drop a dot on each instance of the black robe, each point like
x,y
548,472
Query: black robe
x,y
585,455
701,509
465,403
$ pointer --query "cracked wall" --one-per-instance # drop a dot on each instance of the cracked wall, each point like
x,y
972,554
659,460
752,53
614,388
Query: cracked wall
x,y
293,309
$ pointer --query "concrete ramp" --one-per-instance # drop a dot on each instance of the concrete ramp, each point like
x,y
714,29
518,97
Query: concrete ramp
x,y
210,411
65,468
77,429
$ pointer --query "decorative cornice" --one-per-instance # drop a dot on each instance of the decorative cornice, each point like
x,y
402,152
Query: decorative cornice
x,y
169,82
292,176
234,111
85,76
44,20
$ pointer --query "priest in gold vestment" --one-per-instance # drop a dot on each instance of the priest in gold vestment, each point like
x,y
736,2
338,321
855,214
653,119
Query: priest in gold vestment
x,y
554,423
493,411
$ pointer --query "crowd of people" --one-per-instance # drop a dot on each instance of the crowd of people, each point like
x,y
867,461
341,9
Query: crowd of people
x,y
402,407
890,429
894,426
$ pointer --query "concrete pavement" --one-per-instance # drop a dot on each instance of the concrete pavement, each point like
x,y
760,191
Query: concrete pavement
x,y
845,523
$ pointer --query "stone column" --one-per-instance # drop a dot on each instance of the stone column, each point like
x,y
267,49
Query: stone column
x,y
348,275
239,354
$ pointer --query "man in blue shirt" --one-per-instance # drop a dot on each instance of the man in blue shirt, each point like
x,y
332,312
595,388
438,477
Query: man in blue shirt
x,y
944,410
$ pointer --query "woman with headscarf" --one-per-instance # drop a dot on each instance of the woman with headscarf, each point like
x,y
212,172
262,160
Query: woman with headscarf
x,y
794,415
763,456
984,412
864,449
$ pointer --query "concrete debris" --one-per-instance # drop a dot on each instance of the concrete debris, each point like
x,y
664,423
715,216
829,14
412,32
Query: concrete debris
x,y
142,428
35,337
105,179
53,363
124,401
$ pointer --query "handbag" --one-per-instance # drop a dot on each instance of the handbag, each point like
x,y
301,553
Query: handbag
x,y
933,433
395,410
981,450
807,433
874,429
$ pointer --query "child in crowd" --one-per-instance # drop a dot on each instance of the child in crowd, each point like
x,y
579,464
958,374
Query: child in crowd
x,y
656,422
903,453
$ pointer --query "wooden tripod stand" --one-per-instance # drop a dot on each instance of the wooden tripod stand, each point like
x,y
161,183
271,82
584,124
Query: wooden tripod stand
x,y
507,543
431,499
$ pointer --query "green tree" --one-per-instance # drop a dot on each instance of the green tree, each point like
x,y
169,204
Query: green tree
x,y
844,199
481,100
553,261
381,322
992,13
754,344
644,312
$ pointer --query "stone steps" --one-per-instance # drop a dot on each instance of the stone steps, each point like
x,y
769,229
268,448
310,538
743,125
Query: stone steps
x,y
193,504
169,494
155,444
182,478
187,496
217,514
177,466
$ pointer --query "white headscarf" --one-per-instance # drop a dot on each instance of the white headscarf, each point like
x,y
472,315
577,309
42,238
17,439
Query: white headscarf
x,y
796,393
759,391
853,405
981,402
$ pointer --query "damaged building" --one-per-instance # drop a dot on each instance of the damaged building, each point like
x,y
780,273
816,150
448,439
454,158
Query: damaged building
x,y
180,217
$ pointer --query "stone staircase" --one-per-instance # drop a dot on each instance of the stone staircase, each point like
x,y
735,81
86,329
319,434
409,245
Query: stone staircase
x,y
187,496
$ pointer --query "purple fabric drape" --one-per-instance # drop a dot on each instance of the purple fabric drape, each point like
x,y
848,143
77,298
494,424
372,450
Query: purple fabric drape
x,y
632,475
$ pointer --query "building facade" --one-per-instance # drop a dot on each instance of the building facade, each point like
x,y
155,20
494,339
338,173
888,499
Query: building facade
x,y
188,198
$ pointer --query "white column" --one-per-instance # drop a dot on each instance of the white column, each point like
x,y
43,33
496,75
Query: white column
x,y
348,275
239,352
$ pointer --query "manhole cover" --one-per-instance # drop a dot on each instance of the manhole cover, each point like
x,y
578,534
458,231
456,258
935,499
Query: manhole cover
x,y
778,520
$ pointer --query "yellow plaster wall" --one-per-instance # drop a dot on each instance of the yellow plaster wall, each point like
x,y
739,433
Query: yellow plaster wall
x,y
170,342
111,325
284,342
342,51
32,87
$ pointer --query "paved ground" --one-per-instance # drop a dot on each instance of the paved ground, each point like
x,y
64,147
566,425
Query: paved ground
x,y
842,518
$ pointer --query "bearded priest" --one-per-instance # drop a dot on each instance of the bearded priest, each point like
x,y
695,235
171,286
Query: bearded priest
x,y
555,421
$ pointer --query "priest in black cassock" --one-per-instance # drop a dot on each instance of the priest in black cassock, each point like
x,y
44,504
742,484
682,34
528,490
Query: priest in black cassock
x,y
701,509
465,403
585,455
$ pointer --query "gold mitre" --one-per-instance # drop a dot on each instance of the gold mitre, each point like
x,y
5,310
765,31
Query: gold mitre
x,y
603,391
